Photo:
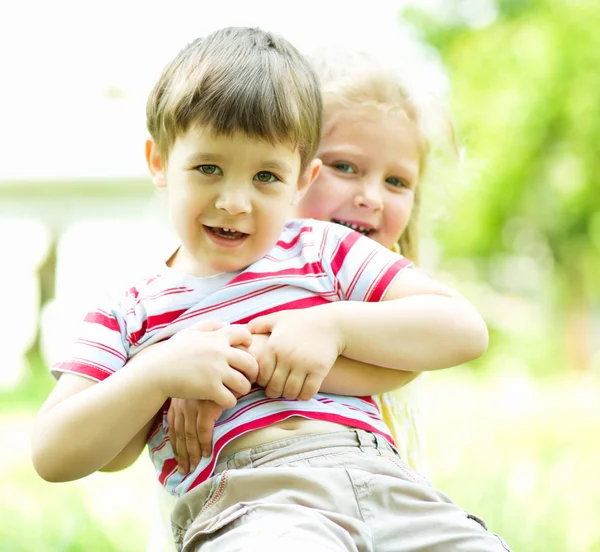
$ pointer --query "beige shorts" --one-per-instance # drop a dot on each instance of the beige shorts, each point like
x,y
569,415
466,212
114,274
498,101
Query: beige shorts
x,y
334,492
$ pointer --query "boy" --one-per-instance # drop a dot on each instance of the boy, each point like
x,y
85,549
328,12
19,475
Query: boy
x,y
235,120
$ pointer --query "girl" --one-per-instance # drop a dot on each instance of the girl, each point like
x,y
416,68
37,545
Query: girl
x,y
374,149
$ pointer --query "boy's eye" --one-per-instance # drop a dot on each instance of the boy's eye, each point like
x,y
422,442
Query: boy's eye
x,y
209,170
265,176
396,182
345,168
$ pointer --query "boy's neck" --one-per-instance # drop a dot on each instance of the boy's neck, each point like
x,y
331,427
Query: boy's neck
x,y
181,264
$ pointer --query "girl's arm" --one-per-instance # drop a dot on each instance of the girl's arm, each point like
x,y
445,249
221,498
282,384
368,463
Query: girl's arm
x,y
348,376
355,378
420,325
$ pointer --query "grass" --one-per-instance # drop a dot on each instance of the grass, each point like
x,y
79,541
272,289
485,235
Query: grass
x,y
519,453
104,512
522,455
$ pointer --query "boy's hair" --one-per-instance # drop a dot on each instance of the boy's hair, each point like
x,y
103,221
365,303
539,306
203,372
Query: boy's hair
x,y
238,79
353,79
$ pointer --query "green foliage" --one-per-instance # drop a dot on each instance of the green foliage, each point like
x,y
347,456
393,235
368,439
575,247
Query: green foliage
x,y
102,513
60,520
524,215
31,390
32,521
526,98
518,454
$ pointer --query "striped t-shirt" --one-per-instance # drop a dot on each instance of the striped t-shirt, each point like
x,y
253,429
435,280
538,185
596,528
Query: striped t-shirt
x,y
313,263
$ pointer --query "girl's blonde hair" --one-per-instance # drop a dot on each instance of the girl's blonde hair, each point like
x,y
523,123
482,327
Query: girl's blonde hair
x,y
353,79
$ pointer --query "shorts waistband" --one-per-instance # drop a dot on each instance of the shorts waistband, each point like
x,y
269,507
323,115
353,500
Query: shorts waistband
x,y
302,445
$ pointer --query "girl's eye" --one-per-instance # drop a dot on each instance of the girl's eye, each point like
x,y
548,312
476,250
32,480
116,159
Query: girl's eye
x,y
396,182
265,177
209,170
345,168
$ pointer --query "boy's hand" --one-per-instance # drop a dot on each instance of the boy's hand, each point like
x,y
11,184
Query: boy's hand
x,y
191,423
202,362
298,355
259,342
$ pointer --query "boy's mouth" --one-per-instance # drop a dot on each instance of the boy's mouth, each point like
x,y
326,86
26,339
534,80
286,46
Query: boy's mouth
x,y
226,233
361,229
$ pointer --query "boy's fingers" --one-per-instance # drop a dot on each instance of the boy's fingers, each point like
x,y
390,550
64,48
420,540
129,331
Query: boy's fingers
x,y
238,335
208,325
224,397
243,362
263,324
259,342
237,383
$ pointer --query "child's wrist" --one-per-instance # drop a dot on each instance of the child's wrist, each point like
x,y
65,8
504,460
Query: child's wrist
x,y
150,364
332,317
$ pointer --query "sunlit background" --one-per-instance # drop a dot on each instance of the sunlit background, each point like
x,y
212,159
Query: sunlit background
x,y
516,228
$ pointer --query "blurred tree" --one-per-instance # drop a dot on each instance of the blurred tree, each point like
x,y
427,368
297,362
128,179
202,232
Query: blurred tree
x,y
526,93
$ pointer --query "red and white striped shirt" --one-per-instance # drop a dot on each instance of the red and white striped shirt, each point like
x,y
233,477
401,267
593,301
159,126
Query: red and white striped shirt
x,y
313,262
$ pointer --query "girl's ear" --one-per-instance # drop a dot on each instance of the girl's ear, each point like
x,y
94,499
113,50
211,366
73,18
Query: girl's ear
x,y
307,178
155,164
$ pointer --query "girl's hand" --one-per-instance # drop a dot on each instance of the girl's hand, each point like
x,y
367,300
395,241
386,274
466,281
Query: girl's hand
x,y
191,424
303,346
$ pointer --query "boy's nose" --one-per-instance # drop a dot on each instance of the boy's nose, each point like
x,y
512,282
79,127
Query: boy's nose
x,y
234,201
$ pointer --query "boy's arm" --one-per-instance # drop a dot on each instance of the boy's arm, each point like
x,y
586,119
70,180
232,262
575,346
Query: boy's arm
x,y
84,426
130,453
91,423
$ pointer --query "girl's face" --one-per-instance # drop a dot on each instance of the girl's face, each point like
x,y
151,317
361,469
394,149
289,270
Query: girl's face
x,y
370,171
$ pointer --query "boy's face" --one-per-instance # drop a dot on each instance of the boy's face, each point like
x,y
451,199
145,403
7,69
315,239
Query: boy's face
x,y
369,175
229,197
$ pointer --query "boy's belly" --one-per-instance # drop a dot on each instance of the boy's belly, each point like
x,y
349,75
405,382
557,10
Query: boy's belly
x,y
292,427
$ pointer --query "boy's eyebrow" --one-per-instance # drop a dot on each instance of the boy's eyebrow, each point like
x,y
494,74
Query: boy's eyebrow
x,y
200,157
279,166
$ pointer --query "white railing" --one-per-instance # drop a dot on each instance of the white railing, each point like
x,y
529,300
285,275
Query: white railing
x,y
62,244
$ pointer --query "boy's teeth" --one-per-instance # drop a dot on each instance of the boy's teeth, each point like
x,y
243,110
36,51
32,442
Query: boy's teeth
x,y
229,233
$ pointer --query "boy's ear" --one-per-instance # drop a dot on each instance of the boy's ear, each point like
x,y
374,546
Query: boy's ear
x,y
155,164
307,178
